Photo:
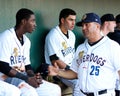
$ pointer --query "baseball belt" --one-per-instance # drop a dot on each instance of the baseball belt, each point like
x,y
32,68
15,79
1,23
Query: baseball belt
x,y
92,94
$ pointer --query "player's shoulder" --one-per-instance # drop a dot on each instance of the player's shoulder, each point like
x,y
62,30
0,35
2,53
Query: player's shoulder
x,y
113,43
71,33
53,32
26,39
6,34
82,45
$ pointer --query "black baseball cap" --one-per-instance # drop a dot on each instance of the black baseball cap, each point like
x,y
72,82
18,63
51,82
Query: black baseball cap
x,y
107,17
118,18
89,17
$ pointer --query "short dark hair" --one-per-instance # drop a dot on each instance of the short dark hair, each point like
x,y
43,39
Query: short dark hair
x,y
23,13
65,13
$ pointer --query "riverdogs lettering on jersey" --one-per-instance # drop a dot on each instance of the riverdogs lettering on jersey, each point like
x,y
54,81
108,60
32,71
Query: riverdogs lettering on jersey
x,y
17,60
16,57
68,51
90,58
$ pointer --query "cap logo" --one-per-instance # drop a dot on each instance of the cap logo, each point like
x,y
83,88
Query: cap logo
x,y
96,19
84,17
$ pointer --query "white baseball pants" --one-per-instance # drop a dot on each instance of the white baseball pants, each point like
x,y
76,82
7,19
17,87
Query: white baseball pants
x,y
7,89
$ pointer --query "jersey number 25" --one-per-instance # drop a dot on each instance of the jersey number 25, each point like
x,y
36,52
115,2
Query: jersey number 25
x,y
95,70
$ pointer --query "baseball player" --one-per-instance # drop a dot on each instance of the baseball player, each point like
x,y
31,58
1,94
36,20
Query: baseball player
x,y
116,37
116,34
8,89
60,44
108,24
15,58
94,68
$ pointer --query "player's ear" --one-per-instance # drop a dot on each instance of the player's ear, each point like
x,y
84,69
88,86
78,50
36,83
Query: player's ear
x,y
62,20
23,21
98,25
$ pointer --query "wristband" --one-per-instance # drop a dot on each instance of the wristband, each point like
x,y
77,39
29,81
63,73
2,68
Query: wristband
x,y
21,76
67,67
54,57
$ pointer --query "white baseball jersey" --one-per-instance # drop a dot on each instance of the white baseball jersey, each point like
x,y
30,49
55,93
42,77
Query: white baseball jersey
x,y
97,65
57,43
12,52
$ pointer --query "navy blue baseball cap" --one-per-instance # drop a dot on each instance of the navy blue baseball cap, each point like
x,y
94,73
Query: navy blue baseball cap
x,y
89,17
118,18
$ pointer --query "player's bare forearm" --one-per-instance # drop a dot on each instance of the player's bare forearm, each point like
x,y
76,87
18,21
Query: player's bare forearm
x,y
68,74
12,73
59,63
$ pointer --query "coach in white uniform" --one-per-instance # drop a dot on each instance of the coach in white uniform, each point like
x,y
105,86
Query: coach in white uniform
x,y
60,44
15,58
96,60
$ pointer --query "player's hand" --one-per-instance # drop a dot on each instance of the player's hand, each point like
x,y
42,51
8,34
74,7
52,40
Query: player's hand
x,y
33,81
53,70
39,78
